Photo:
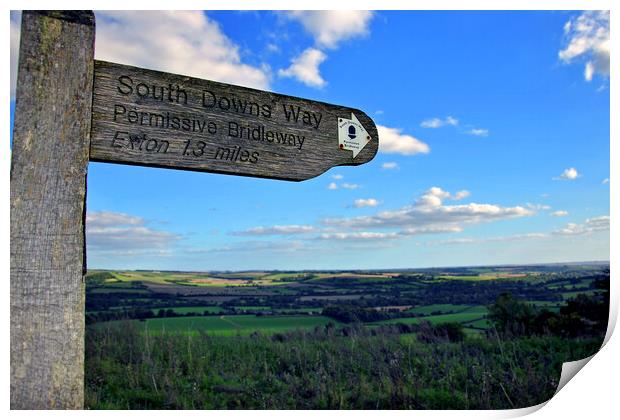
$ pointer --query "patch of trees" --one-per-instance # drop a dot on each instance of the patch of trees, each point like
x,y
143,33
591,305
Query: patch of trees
x,y
138,313
582,316
349,314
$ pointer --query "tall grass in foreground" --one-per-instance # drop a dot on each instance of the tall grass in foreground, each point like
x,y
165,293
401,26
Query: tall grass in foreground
x,y
353,368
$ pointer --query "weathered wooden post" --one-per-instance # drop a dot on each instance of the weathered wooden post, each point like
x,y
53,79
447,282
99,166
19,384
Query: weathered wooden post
x,y
51,140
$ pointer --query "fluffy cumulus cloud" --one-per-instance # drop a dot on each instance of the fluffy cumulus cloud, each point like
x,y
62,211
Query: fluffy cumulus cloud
x,y
275,230
332,186
365,202
305,68
569,174
191,44
120,233
595,224
330,27
429,214
559,213
438,122
392,140
587,39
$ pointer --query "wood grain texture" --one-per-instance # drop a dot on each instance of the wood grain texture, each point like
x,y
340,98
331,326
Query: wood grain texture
x,y
139,118
51,139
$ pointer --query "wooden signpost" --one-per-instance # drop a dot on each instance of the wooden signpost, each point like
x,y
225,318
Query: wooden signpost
x,y
145,117
139,117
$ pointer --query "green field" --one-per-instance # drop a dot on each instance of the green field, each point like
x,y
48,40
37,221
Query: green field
x,y
444,307
572,295
482,324
469,315
231,324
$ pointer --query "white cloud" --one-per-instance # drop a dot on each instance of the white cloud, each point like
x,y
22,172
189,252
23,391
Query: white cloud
x,y
587,37
122,233
538,206
429,212
275,230
430,229
345,185
352,236
253,248
480,132
337,176
461,194
605,181
510,238
559,213
435,195
392,141
451,120
183,42
99,219
588,71
390,165
331,27
432,123
438,122
366,202
305,68
569,174
595,224
273,48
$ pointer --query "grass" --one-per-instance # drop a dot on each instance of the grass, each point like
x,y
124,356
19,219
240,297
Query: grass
x,y
228,324
320,369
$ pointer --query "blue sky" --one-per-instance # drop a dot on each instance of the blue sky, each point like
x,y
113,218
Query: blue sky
x,y
494,142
